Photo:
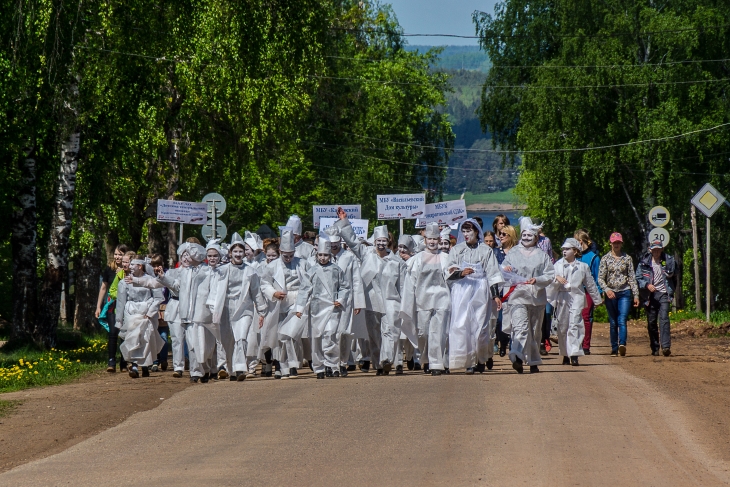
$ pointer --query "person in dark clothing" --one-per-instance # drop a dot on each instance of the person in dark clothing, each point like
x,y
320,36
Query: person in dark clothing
x,y
655,277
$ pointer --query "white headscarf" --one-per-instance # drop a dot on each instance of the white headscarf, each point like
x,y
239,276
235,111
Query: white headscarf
x,y
195,251
408,242
214,244
480,233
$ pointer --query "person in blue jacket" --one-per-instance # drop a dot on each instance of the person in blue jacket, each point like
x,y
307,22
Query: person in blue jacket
x,y
590,257
655,277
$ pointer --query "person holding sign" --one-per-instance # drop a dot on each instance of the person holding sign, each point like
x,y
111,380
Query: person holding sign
x,y
322,295
528,299
427,302
383,277
474,270
281,281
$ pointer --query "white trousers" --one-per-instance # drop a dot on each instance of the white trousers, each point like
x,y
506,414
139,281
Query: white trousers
x,y
571,331
201,347
289,357
325,353
177,335
373,323
346,350
432,332
526,333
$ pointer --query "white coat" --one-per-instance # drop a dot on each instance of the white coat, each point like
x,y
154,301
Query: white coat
x,y
324,285
142,342
281,318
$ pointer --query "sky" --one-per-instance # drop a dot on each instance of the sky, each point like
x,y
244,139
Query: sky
x,y
439,17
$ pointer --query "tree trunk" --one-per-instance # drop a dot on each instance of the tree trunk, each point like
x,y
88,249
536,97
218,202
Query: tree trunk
x,y
23,245
57,257
155,243
87,285
110,245
171,244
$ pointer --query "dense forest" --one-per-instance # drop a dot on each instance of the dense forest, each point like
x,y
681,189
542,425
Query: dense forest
x,y
106,106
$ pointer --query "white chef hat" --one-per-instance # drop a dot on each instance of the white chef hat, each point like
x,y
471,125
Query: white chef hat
x,y
408,242
196,251
295,224
420,242
526,225
445,233
236,240
571,243
213,243
380,232
286,242
332,233
432,230
324,246
251,241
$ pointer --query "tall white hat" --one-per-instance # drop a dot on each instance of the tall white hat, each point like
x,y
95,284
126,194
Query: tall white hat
x,y
236,240
214,243
295,223
526,225
408,242
286,242
432,230
380,232
251,241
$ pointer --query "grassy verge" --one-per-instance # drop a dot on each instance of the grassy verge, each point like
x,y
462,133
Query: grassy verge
x,y
716,317
504,197
6,407
27,367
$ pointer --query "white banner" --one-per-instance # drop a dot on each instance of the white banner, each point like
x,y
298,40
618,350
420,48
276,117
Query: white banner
x,y
445,213
401,206
188,212
359,226
330,211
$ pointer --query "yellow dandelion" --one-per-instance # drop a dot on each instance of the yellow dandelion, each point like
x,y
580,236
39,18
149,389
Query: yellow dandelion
x,y
78,360
35,373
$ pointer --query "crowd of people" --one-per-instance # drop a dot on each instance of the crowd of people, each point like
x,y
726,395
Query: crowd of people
x,y
428,302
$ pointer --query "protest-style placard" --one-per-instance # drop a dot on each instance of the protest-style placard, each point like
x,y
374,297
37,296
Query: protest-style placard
x,y
188,212
359,226
401,206
330,211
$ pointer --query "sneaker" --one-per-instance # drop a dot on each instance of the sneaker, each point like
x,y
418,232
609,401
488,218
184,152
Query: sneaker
x,y
447,371
205,378
436,372
574,361
387,367
293,372
426,369
267,371
517,365
351,368
622,350
614,353
378,372
251,375
240,377
502,352
554,339
655,353
548,346
155,367
365,367
534,369
343,371
566,360
133,372
417,366
277,374
195,380
177,374
320,375
490,363
586,351
284,376
163,365
410,364
123,366
543,351
328,372
145,371
222,374
336,374
111,366
667,352
398,370
469,371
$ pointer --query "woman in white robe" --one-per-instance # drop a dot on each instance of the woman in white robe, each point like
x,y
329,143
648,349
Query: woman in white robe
x,y
567,292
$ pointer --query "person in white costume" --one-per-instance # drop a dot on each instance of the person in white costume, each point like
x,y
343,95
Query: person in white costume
x,y
427,302
567,295
281,281
475,276
303,250
253,249
236,297
445,239
406,250
322,296
136,318
383,277
214,257
355,302
527,301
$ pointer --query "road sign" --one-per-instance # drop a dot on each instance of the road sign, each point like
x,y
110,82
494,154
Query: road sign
x,y
660,234
220,230
708,200
659,216
217,200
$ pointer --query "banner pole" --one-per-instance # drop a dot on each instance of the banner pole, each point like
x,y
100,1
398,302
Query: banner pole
x,y
401,226
180,236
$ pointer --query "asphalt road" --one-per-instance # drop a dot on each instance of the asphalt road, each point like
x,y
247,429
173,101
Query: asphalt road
x,y
591,425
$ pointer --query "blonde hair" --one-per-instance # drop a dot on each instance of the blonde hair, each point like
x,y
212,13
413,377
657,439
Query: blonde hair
x,y
512,237
583,237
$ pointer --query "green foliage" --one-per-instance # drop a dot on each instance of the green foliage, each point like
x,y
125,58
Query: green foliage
x,y
7,407
624,72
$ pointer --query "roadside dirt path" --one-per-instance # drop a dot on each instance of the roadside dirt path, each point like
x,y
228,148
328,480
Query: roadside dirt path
x,y
638,420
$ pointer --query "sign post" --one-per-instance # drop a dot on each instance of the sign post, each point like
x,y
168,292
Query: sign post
x,y
215,206
181,212
708,200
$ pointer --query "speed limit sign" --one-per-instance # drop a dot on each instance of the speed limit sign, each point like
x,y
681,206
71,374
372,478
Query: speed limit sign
x,y
660,234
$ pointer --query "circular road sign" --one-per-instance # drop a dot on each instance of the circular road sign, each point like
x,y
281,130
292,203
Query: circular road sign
x,y
217,200
659,234
659,216
220,229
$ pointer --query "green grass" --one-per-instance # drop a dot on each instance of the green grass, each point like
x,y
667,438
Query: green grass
x,y
27,366
6,407
503,197
716,317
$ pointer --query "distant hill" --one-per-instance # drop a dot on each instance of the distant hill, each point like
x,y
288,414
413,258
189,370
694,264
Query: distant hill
x,y
469,58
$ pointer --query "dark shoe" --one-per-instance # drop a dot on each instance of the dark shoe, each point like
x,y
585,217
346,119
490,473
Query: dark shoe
x,y
574,361
277,374
480,368
426,369
205,378
233,378
469,371
566,360
163,366
155,367
614,353
145,371
266,371
133,372
240,377
195,379
187,364
398,370
655,353
293,372
111,366
222,374
543,351
311,367
667,352
378,372
417,366
446,371
328,372
123,366
534,369
622,350
343,371
365,367
410,364
177,374
336,374
502,351
490,363
320,375
436,372
517,365
387,367
586,351
351,368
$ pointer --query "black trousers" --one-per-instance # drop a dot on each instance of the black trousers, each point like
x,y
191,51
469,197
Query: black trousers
x,y
657,314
